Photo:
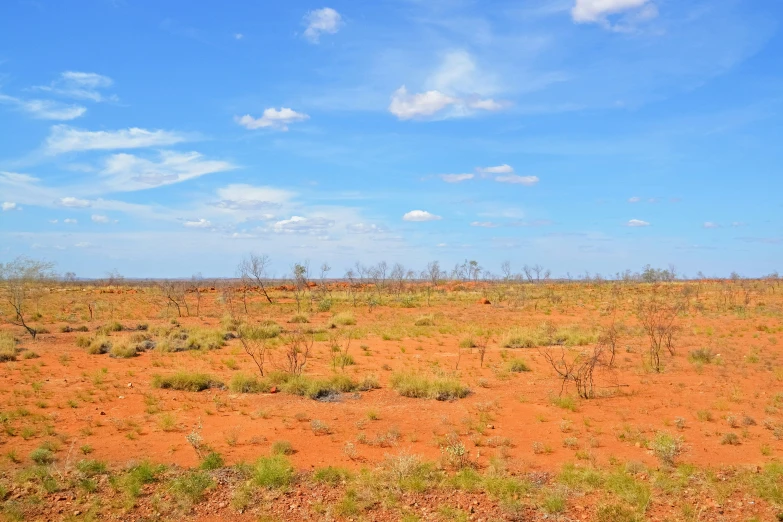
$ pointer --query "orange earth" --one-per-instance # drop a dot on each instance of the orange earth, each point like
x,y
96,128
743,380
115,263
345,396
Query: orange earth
x,y
79,400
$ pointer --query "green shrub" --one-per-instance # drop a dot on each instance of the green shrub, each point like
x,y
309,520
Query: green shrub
x,y
616,513
204,339
666,447
42,456
331,475
189,488
134,479
257,332
420,386
83,341
468,342
324,305
299,319
566,402
518,366
731,439
242,383
213,460
341,360
273,472
90,468
185,381
106,329
282,447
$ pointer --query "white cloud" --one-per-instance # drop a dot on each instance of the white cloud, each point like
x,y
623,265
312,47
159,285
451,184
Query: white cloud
x,y
98,218
70,221
201,223
127,172
515,179
238,36
500,169
15,178
80,85
635,199
710,224
10,205
364,228
53,221
455,178
248,197
83,244
484,224
459,75
597,11
63,138
303,225
72,202
45,109
423,105
637,223
322,21
420,215
272,118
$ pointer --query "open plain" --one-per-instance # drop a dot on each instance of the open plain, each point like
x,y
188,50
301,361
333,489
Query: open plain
x,y
461,400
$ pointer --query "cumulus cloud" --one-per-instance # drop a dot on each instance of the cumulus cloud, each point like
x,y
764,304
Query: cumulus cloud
x,y
597,11
419,216
515,179
10,205
72,202
98,218
128,172
199,223
637,223
63,139
424,105
272,118
456,178
45,109
322,21
302,225
710,224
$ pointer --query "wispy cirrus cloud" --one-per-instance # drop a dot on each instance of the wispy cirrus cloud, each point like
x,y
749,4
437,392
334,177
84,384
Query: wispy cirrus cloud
x,y
45,109
80,85
272,118
63,139
599,11
128,172
455,178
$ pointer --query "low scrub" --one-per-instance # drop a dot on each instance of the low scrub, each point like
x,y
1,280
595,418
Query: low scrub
x,y
342,319
422,387
185,381
273,472
243,383
123,351
518,366
548,335
425,320
7,347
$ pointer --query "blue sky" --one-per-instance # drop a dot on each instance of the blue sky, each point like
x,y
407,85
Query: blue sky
x,y
168,138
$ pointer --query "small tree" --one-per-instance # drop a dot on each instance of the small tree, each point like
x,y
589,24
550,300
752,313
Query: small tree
x,y
254,342
254,269
298,346
22,279
658,319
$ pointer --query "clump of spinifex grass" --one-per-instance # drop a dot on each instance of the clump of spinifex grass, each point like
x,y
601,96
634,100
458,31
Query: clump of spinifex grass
x,y
186,381
420,386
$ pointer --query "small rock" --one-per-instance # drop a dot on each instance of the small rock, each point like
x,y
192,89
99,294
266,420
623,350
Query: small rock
x,y
77,513
130,385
